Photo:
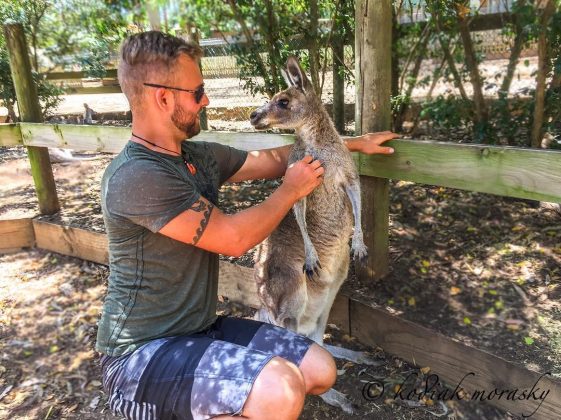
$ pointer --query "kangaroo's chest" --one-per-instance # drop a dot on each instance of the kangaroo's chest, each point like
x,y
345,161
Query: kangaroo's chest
x,y
328,209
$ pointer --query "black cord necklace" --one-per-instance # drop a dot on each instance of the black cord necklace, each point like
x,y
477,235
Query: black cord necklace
x,y
190,166
155,145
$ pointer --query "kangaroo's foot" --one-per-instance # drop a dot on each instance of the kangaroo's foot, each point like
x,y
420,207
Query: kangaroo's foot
x,y
357,357
360,251
338,399
311,264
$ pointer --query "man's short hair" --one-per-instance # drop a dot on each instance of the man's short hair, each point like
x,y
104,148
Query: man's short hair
x,y
150,57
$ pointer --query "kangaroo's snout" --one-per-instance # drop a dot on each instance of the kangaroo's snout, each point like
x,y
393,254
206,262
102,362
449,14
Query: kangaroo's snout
x,y
258,120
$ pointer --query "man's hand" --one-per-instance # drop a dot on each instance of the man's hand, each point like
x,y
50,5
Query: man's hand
x,y
303,177
370,143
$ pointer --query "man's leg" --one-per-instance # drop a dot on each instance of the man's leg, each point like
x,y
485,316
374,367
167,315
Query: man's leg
x,y
316,364
200,377
277,393
319,370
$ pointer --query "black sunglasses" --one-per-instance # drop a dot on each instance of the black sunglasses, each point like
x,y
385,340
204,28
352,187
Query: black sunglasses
x,y
199,92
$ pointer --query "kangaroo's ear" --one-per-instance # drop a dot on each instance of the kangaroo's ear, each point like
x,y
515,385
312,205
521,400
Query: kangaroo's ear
x,y
297,75
287,78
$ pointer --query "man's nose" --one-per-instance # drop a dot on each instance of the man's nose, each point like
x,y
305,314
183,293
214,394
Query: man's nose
x,y
205,101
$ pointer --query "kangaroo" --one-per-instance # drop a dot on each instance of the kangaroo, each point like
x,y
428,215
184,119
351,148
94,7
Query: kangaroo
x,y
301,266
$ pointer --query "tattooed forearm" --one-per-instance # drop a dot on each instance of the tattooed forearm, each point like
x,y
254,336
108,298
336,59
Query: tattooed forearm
x,y
201,206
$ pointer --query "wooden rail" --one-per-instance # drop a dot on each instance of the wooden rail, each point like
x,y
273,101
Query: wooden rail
x,y
523,173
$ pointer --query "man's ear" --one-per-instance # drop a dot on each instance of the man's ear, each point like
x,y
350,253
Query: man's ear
x,y
297,75
165,99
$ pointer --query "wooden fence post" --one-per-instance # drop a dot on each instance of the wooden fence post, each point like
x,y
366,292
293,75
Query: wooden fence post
x,y
30,111
373,77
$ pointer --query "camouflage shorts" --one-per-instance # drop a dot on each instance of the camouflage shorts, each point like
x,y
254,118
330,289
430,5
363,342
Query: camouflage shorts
x,y
197,376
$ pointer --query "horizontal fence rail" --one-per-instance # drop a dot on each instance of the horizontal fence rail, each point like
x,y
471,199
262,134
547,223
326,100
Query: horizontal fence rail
x,y
508,171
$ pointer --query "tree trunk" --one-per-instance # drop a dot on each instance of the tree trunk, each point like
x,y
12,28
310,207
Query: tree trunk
x,y
481,112
373,41
414,52
338,48
395,55
515,52
543,70
412,80
452,65
34,42
153,13
261,67
313,47
555,81
271,30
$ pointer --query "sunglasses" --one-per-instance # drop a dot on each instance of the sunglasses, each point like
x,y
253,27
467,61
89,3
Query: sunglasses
x,y
199,92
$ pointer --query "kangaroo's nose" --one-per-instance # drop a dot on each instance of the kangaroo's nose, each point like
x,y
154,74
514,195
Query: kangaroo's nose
x,y
253,115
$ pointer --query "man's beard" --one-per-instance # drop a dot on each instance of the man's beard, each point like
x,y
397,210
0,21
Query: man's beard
x,y
188,123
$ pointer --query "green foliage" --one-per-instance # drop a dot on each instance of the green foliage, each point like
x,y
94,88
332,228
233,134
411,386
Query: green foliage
x,y
50,95
265,32
82,32
7,93
510,117
448,112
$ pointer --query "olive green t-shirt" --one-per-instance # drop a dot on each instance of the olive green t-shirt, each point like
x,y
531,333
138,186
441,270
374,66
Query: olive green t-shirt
x,y
158,287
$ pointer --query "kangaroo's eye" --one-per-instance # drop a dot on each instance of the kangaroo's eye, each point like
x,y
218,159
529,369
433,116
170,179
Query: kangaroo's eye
x,y
282,103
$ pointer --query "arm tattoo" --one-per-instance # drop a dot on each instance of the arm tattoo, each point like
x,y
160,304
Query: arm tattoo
x,y
201,207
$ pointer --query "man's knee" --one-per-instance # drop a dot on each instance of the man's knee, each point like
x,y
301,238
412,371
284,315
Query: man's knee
x,y
278,392
319,370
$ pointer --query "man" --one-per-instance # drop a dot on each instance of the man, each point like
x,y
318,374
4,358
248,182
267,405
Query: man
x,y
165,353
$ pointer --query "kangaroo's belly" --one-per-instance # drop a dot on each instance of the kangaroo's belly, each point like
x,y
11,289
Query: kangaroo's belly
x,y
329,221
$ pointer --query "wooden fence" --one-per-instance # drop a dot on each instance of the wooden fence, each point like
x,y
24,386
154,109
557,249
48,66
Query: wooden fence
x,y
507,171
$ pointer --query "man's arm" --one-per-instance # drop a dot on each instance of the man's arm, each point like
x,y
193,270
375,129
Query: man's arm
x,y
207,227
263,164
271,163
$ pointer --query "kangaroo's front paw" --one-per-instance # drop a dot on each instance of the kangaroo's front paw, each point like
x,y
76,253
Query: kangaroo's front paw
x,y
360,251
311,265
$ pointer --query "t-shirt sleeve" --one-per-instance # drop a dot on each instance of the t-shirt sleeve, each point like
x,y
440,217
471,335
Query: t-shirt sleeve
x,y
229,160
148,194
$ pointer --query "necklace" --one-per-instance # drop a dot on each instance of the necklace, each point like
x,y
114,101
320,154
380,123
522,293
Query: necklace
x,y
190,166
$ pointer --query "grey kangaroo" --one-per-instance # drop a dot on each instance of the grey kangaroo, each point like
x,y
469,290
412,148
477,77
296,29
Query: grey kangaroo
x,y
301,266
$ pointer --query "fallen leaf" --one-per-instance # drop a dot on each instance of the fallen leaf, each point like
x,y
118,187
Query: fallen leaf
x,y
455,290
345,366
